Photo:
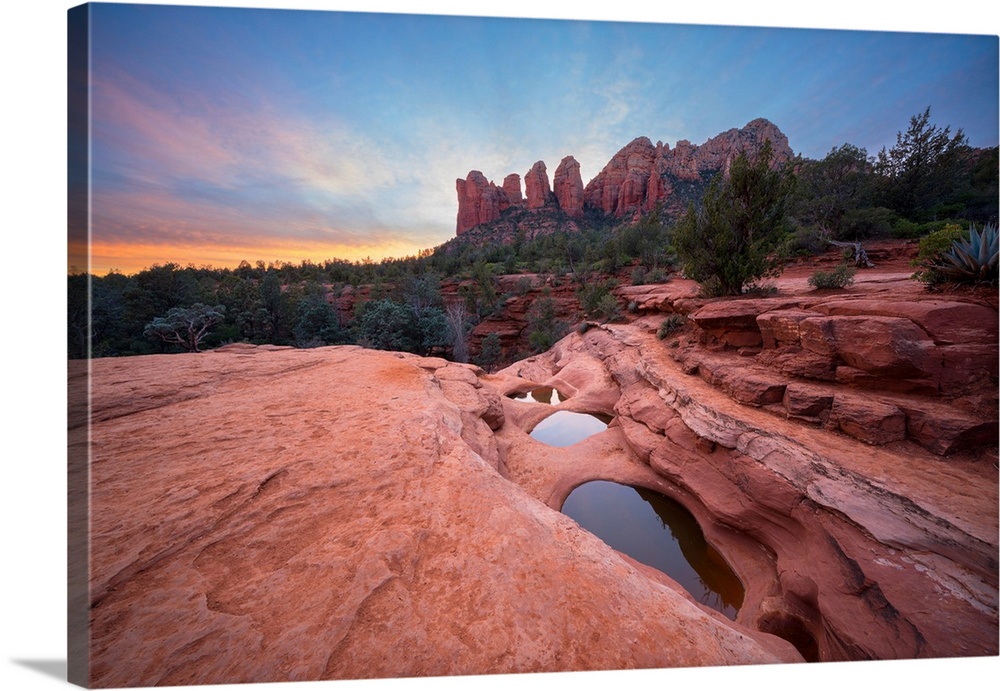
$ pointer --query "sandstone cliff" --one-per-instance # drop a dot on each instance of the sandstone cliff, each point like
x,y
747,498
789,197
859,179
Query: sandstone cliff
x,y
636,179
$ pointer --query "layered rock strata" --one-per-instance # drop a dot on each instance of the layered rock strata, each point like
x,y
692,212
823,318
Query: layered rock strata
x,y
850,551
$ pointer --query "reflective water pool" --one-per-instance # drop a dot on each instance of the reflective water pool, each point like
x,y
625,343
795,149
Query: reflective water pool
x,y
565,428
658,532
542,394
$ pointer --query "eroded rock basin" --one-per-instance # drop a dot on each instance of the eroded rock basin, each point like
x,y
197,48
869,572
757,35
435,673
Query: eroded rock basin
x,y
845,546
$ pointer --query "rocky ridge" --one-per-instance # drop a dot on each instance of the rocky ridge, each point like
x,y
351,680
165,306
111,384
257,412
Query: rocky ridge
x,y
636,179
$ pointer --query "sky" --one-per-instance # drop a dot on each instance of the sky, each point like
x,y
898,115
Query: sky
x,y
228,134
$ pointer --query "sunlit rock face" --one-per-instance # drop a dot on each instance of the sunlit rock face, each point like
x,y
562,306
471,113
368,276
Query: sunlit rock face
x,y
639,178
536,186
568,187
271,514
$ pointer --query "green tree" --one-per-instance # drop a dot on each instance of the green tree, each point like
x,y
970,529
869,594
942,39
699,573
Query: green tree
x,y
185,326
830,189
919,172
489,352
318,322
275,316
388,325
544,329
734,238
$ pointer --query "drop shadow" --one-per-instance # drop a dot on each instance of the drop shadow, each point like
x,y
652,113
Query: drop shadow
x,y
56,669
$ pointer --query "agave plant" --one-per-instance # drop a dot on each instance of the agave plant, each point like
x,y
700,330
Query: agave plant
x,y
970,260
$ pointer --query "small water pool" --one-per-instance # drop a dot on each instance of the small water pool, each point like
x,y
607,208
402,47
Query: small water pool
x,y
543,394
565,428
658,532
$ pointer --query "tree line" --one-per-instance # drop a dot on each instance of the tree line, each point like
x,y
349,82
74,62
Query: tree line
x,y
742,229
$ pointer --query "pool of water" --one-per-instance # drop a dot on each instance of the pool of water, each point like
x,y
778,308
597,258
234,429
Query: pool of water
x,y
658,532
565,428
542,394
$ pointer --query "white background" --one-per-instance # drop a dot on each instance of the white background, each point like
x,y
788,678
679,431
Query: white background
x,y
32,335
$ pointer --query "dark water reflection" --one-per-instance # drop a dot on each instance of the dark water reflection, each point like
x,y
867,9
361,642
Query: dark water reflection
x,y
658,532
565,428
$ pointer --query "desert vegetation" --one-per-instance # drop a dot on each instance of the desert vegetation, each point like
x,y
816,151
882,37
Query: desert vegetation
x,y
929,186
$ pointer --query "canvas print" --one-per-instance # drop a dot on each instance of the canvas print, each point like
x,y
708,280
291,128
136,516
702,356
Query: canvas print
x,y
409,346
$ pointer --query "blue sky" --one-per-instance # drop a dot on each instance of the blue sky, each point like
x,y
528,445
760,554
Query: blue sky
x,y
222,134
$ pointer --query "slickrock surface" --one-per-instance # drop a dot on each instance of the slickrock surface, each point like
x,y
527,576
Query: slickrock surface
x,y
850,551
264,514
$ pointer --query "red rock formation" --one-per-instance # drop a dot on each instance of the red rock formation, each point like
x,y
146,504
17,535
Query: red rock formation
x,y
640,175
568,187
860,524
477,201
621,186
512,186
481,201
536,186
636,179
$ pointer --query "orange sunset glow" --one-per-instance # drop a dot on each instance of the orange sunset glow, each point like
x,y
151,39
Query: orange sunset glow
x,y
105,257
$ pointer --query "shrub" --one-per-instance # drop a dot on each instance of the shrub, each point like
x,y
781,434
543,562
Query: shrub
x,y
735,238
806,242
931,247
971,259
608,308
597,300
658,275
639,276
544,329
938,242
489,352
841,277
671,324
860,224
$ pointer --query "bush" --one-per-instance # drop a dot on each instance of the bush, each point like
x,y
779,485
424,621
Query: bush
x,y
544,329
735,238
671,324
841,277
861,224
639,276
805,242
931,247
489,352
597,300
970,259
658,275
